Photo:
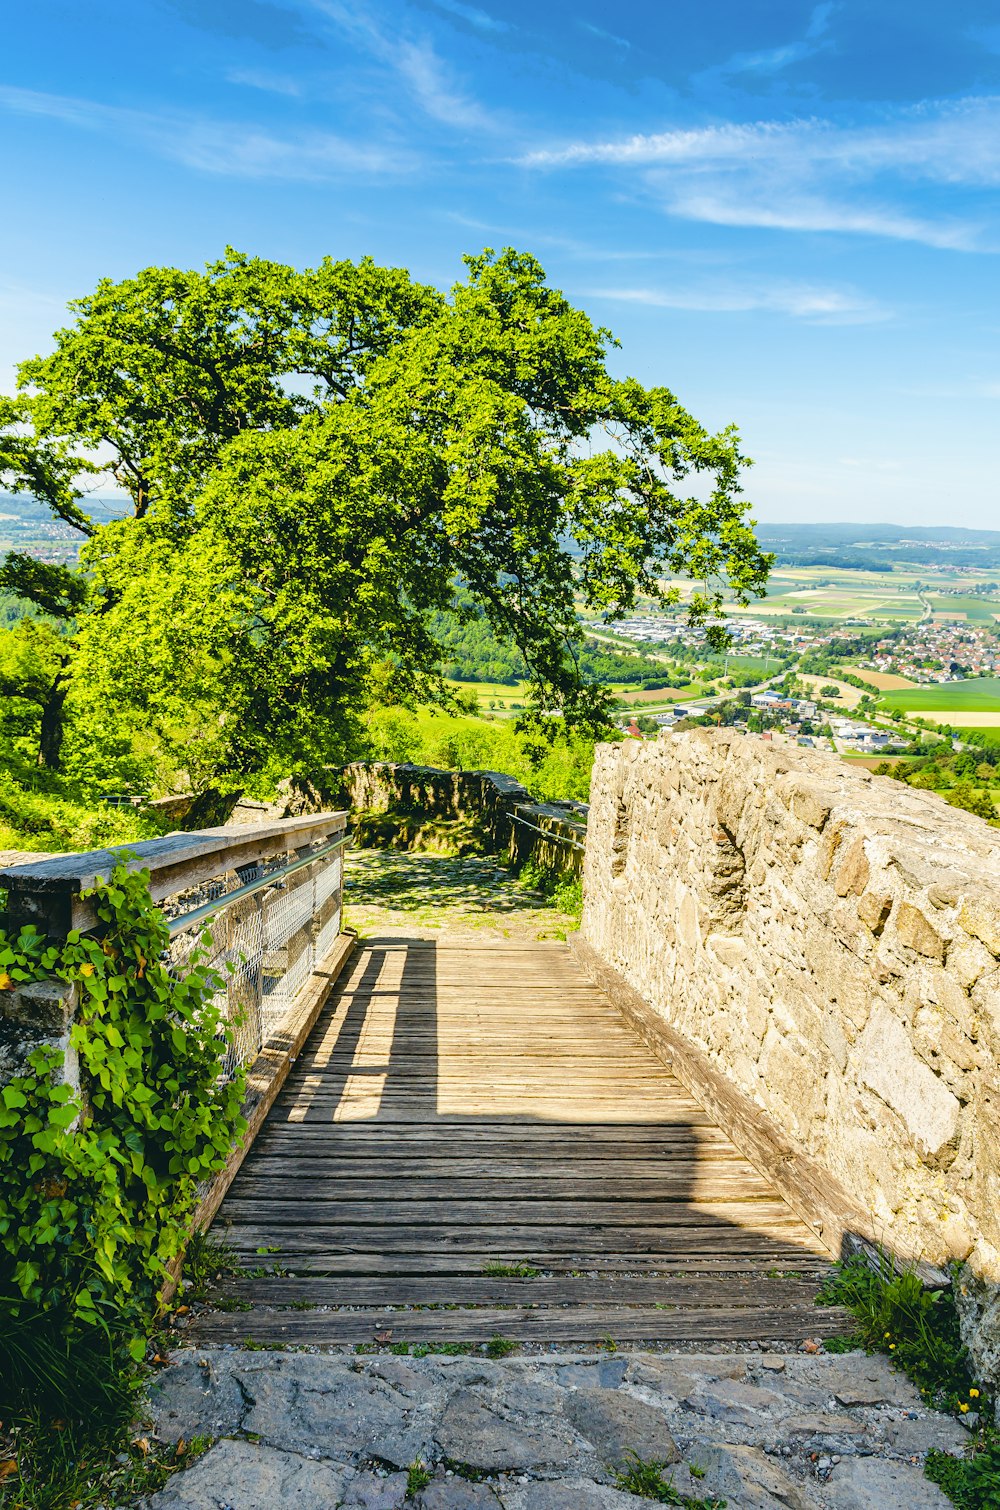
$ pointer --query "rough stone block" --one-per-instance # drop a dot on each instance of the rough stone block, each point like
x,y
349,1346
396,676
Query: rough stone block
x,y
861,1483
255,1477
487,1432
873,910
983,922
456,1494
917,932
615,1424
747,1477
40,1012
853,871
892,1070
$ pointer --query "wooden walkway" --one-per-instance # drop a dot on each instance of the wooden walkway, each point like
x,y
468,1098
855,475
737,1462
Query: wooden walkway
x,y
464,1111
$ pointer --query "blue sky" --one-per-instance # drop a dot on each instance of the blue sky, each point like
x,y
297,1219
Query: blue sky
x,y
787,212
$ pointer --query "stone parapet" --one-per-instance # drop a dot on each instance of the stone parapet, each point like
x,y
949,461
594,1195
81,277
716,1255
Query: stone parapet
x,y
829,940
504,811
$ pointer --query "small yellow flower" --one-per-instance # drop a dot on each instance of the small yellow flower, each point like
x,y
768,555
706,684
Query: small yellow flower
x,y
963,1406
87,969
892,1347
6,981
974,1394
887,1335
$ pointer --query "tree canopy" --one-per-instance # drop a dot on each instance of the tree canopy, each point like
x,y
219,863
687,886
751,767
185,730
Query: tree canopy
x,y
316,461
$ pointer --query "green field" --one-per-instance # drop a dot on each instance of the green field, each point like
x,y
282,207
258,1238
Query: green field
x,y
982,736
981,610
979,694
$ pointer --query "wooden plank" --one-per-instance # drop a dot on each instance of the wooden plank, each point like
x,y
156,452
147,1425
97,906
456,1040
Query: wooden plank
x,y
390,1267
410,1137
313,1187
700,1235
50,891
317,1211
809,1189
572,1324
322,1164
726,1290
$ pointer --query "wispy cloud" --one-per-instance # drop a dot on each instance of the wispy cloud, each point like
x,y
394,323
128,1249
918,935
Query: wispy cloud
x,y
434,91
270,83
480,19
811,213
774,59
817,305
812,174
414,60
952,142
212,146
605,36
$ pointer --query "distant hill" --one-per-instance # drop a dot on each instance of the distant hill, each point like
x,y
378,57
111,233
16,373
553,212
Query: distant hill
x,y
880,547
29,511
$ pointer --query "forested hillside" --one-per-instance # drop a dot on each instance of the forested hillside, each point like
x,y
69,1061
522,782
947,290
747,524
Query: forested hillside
x,y
472,652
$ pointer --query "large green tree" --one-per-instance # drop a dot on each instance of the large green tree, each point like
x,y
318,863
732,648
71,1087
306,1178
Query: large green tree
x,y
315,459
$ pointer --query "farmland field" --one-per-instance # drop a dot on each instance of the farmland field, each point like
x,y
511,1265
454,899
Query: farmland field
x,y
979,694
976,720
849,696
982,610
636,695
499,693
885,681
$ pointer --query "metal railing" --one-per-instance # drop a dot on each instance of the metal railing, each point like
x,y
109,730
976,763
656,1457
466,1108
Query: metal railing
x,y
261,906
264,938
552,834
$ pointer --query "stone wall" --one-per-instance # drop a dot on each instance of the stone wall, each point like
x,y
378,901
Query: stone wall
x,y
829,941
505,813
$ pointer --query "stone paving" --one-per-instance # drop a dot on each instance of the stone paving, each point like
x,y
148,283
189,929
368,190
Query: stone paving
x,y
392,891
760,1431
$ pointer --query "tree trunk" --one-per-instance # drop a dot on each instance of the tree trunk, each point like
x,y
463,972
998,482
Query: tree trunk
x,y
53,725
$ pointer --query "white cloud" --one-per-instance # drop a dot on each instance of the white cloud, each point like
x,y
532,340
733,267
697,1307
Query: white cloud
x,y
811,174
224,147
950,142
475,17
437,96
816,305
270,83
605,36
803,213
415,61
774,59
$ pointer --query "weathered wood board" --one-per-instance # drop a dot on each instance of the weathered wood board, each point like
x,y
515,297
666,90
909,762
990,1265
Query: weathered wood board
x,y
457,1108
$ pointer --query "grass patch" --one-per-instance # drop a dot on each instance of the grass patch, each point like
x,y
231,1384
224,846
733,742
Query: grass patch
x,y
563,892
971,1483
500,1347
70,1408
417,1478
207,1261
918,1330
497,1270
651,1480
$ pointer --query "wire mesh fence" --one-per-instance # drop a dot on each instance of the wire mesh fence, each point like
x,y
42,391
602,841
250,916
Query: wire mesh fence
x,y
263,929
